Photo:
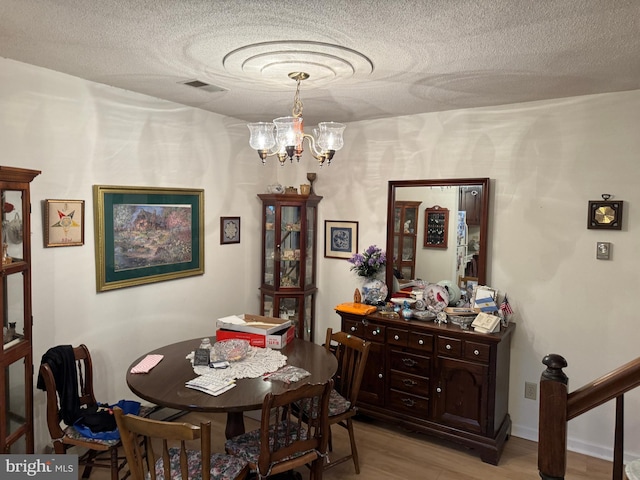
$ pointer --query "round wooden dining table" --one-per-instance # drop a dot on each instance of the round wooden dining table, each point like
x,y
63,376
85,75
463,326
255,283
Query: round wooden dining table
x,y
164,384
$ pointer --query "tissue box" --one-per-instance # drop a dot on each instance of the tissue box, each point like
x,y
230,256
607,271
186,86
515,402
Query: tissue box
x,y
276,340
253,324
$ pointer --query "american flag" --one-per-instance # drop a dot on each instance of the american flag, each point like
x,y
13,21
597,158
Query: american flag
x,y
505,308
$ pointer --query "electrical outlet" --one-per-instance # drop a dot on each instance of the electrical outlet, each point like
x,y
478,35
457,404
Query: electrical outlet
x,y
530,390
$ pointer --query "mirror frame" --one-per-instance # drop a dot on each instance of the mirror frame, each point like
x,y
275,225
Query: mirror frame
x,y
453,182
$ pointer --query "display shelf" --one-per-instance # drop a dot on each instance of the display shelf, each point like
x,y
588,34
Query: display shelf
x,y
288,285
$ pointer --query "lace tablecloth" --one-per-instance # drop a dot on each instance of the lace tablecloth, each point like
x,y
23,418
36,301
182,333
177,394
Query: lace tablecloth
x,y
257,362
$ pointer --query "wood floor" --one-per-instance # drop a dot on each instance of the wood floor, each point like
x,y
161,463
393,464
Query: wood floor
x,y
388,453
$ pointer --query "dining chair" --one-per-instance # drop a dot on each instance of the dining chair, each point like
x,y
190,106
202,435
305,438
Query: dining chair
x,y
352,353
164,454
285,441
66,374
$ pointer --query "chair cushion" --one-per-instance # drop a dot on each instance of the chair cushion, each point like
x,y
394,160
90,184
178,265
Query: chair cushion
x,y
74,434
247,445
223,467
337,404
109,441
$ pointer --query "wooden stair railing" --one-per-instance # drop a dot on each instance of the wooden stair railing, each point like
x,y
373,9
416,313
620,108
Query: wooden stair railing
x,y
558,406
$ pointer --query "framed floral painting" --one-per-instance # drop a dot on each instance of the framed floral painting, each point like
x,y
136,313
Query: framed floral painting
x,y
147,234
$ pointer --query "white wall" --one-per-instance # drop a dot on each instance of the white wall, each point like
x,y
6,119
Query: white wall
x,y
546,160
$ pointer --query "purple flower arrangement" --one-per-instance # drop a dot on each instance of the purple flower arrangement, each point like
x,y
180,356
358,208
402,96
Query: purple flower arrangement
x,y
369,263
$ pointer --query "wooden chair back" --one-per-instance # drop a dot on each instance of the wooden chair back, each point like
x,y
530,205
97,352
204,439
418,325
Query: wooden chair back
x,y
352,353
286,440
171,434
84,380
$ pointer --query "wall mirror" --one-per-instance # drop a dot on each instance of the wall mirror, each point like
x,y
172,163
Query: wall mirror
x,y
437,230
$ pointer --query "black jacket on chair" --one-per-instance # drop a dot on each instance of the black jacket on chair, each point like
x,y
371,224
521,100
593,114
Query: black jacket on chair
x,y
63,366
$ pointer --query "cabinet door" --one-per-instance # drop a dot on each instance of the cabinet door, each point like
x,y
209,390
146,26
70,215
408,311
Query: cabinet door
x,y
372,387
269,254
289,248
471,202
461,395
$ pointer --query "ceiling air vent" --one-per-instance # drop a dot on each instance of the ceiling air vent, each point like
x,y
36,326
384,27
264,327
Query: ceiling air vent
x,y
207,87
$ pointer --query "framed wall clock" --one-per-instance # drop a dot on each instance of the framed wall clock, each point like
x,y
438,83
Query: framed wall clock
x,y
605,214
229,230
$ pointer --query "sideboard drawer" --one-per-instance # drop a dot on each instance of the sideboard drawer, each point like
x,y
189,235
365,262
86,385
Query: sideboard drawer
x,y
397,337
421,341
450,347
373,332
353,327
410,363
407,403
478,352
410,383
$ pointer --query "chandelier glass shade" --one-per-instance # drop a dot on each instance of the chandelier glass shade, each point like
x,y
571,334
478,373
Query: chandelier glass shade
x,y
284,137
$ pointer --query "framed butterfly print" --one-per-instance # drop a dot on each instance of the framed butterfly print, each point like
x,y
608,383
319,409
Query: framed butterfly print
x,y
63,223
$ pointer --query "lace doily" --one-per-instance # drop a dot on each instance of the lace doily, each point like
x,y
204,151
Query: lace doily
x,y
257,362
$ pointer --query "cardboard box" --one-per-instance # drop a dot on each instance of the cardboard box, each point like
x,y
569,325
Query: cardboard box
x,y
253,324
276,340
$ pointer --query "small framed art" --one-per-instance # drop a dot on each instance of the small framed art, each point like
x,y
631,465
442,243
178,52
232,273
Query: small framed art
x,y
340,239
605,214
63,223
229,230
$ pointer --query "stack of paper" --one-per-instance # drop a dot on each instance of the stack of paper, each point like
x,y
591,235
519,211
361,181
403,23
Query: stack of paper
x,y
210,385
485,323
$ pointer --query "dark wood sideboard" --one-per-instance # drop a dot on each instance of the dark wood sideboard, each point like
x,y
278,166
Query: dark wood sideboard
x,y
437,379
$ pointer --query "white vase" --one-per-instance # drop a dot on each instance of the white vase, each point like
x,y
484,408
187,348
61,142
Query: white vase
x,y
374,291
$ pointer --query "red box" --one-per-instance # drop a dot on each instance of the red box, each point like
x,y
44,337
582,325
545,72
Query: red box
x,y
277,340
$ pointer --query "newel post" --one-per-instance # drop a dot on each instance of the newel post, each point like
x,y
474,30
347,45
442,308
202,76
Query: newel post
x,y
552,423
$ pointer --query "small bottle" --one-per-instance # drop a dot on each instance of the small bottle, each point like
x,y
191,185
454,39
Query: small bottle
x,y
406,311
205,343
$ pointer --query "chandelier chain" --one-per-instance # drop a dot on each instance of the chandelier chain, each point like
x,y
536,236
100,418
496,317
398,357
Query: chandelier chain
x,y
297,103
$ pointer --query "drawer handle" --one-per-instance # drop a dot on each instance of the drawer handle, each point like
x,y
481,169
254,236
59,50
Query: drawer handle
x,y
439,390
409,362
396,337
476,352
375,332
409,383
353,329
379,375
447,346
420,342
408,402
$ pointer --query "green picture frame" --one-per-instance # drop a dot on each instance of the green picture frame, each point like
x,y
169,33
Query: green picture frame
x,y
147,234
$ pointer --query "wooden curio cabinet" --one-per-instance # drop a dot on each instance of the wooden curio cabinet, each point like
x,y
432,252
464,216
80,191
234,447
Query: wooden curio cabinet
x,y
289,244
405,233
16,357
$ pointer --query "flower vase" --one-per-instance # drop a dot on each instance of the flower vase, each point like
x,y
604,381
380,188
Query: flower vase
x,y
374,291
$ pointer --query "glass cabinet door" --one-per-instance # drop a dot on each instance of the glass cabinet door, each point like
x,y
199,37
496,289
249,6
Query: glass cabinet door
x,y
290,219
310,247
269,253
405,228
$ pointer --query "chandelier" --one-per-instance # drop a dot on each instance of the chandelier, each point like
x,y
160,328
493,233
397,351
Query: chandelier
x,y
285,135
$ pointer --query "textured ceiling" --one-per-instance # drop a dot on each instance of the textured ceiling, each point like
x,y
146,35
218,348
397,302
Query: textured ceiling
x,y
367,59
